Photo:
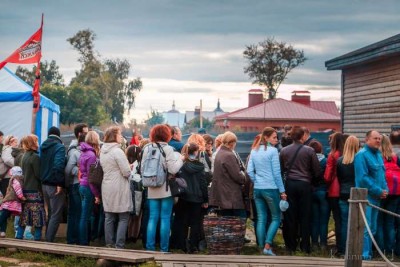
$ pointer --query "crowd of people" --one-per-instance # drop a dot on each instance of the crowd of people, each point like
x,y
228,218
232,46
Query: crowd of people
x,y
289,182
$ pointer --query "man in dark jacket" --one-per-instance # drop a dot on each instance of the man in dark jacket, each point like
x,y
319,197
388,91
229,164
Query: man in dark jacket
x,y
52,164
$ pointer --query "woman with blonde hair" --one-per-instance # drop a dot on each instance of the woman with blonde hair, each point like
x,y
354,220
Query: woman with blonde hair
x,y
90,194
346,177
387,224
228,180
115,190
33,213
265,172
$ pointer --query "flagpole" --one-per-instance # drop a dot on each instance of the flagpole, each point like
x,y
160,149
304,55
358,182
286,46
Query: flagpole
x,y
36,85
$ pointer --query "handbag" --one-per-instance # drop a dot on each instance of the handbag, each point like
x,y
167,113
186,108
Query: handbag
x,y
177,186
96,173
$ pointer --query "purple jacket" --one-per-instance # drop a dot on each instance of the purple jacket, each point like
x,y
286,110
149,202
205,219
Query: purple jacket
x,y
87,158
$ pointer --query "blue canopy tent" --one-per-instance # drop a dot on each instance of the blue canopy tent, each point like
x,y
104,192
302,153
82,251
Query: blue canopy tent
x,y
16,103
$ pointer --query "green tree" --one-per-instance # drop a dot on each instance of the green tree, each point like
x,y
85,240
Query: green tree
x,y
108,78
59,95
84,104
77,104
49,74
269,62
154,118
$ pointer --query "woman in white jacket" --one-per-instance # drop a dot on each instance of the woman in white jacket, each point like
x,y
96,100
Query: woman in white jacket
x,y
160,199
116,195
8,160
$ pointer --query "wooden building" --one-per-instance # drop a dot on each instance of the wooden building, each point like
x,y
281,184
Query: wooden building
x,y
370,87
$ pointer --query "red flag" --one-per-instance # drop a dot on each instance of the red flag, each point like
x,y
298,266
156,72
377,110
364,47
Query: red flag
x,y
30,52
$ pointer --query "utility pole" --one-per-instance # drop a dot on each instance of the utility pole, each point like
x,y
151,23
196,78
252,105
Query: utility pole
x,y
201,113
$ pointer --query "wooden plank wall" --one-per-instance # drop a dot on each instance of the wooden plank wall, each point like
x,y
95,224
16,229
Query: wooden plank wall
x,y
371,97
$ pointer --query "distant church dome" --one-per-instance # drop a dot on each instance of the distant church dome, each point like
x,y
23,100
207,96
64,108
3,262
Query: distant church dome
x,y
173,110
218,109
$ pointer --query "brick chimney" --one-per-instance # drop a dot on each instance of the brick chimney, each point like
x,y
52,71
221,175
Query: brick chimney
x,y
256,97
302,97
197,111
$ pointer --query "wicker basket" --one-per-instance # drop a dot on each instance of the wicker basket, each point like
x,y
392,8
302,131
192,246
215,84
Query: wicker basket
x,y
224,234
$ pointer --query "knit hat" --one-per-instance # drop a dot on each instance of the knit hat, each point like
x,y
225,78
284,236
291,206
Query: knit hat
x,y
16,171
283,205
54,131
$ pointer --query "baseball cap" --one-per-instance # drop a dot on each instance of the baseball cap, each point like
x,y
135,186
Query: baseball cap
x,y
283,205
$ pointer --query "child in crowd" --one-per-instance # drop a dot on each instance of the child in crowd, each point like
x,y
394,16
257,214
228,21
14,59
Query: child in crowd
x,y
12,200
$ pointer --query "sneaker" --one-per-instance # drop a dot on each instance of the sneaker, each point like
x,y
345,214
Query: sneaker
x,y
268,252
28,236
2,234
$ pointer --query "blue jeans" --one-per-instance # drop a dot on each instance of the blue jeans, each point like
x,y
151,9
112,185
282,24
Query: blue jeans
x,y
159,209
4,215
386,233
372,219
87,198
344,217
97,222
267,199
320,213
37,235
74,214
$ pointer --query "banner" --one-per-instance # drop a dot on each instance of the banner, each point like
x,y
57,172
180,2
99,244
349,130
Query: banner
x,y
29,53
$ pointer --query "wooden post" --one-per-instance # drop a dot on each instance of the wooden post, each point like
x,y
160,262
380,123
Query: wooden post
x,y
355,229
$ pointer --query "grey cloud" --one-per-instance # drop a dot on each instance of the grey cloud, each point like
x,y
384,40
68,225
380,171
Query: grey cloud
x,y
151,33
185,90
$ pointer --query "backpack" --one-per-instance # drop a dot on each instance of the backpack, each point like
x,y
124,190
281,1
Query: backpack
x,y
96,173
152,169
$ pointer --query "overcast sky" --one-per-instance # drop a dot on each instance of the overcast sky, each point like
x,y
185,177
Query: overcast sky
x,y
187,50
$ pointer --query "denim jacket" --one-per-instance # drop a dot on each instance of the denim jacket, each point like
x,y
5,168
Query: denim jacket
x,y
370,172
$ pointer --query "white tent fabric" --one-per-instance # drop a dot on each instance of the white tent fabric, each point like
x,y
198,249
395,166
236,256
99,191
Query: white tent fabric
x,y
16,103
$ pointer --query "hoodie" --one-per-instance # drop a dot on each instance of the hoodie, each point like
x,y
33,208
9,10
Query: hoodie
x,y
52,162
195,177
72,170
88,157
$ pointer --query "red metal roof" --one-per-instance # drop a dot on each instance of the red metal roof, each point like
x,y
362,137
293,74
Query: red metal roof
x,y
281,109
325,106
255,90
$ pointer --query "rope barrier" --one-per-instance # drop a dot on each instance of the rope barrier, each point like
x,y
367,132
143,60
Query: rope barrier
x,y
371,235
357,201
383,210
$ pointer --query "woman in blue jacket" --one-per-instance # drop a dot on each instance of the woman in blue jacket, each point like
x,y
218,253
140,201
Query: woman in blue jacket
x,y
265,172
